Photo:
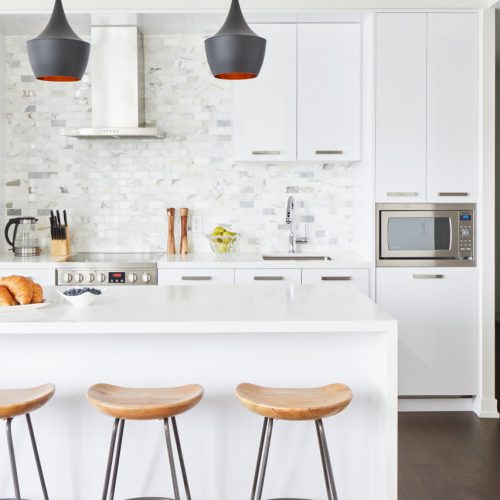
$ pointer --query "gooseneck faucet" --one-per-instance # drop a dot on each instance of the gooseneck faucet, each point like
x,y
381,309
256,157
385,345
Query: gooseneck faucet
x,y
290,216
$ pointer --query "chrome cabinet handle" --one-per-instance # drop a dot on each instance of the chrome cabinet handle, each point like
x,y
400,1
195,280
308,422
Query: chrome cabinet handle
x,y
453,194
428,276
266,153
196,278
336,278
329,152
268,278
402,194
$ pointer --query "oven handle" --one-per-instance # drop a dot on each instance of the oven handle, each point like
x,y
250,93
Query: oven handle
x,y
428,276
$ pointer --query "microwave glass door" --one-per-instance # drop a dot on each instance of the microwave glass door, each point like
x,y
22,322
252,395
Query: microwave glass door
x,y
418,234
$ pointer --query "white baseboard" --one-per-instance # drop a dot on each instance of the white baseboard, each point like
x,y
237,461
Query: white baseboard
x,y
486,408
436,404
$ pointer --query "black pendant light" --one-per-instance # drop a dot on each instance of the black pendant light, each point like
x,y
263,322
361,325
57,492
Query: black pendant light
x,y
58,54
235,52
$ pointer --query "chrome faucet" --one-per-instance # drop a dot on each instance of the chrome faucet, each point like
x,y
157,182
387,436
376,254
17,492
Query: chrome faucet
x,y
290,216
290,219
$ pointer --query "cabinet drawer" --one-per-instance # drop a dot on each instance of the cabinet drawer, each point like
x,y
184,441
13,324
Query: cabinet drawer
x,y
267,276
196,277
360,278
45,277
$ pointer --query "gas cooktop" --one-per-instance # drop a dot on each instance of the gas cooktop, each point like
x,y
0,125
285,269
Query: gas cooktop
x,y
89,268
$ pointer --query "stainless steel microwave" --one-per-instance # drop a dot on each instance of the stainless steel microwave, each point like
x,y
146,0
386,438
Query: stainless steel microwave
x,y
426,234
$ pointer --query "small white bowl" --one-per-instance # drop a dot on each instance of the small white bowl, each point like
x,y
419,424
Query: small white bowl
x,y
84,300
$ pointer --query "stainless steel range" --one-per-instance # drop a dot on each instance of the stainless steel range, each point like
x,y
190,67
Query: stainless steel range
x,y
108,269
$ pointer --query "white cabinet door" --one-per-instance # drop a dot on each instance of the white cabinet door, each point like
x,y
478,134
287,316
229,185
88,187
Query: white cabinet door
x,y
360,278
329,92
265,116
196,276
267,277
452,122
400,107
436,309
44,277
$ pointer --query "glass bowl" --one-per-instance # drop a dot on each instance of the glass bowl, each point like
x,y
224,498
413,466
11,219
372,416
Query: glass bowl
x,y
223,245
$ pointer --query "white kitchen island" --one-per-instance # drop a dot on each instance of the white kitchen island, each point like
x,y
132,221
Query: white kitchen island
x,y
218,337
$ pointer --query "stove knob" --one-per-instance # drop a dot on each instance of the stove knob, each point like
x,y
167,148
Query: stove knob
x,y
132,278
67,277
80,277
146,278
90,278
101,278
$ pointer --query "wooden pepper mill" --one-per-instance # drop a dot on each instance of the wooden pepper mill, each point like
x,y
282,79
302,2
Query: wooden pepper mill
x,y
171,229
184,235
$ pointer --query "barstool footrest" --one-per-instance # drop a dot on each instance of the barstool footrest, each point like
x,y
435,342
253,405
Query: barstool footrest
x,y
151,498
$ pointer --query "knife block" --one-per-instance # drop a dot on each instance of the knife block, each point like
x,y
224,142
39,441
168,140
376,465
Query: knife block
x,y
61,248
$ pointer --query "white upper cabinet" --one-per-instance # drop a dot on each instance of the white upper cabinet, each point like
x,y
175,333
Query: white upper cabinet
x,y
265,108
426,107
329,92
401,107
306,103
452,121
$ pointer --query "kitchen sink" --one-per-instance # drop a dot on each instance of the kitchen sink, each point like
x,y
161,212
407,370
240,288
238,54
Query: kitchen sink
x,y
295,257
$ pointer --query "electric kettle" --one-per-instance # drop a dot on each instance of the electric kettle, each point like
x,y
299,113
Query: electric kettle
x,y
24,241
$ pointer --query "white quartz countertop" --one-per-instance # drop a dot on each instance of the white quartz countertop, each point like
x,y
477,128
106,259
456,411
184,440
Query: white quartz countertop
x,y
252,260
343,260
235,309
9,261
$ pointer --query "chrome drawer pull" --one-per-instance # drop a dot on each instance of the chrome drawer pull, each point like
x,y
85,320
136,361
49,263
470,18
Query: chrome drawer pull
x,y
266,153
336,278
329,152
268,278
196,278
428,276
402,194
453,194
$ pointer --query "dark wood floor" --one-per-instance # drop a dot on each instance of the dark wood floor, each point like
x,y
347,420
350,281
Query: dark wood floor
x,y
448,456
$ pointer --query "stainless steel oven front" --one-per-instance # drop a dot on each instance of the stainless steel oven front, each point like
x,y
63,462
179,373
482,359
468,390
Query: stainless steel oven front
x,y
426,234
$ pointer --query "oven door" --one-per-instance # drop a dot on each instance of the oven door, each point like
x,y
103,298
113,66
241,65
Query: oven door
x,y
418,234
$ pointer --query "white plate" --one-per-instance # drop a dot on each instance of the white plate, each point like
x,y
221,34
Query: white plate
x,y
26,308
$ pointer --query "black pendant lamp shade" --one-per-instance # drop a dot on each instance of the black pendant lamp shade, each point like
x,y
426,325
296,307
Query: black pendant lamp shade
x,y
235,52
58,54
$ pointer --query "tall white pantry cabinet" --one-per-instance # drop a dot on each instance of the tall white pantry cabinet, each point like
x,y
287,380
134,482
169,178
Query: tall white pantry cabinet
x,y
426,86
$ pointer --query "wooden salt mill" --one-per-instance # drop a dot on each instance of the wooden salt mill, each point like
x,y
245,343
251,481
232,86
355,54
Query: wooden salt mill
x,y
171,229
184,227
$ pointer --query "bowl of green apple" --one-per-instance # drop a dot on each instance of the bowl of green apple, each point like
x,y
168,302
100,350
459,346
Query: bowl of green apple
x,y
223,241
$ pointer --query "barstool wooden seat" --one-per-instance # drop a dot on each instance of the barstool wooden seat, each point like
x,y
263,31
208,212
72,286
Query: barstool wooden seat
x,y
293,404
18,402
127,403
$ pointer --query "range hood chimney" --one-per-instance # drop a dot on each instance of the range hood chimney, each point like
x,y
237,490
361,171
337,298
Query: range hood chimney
x,y
117,75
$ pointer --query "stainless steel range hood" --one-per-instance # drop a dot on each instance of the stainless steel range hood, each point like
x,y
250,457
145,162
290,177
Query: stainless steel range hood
x,y
117,75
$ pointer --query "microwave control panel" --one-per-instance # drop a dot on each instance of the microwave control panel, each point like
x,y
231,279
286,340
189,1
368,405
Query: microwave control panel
x,y
466,234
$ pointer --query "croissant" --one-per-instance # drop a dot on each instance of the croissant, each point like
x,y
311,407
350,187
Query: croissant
x,y
6,298
20,287
37,294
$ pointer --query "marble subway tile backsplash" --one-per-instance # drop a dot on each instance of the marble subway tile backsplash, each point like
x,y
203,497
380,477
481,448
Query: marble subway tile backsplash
x,y
116,191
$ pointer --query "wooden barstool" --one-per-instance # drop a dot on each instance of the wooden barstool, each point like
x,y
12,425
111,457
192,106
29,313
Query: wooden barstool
x,y
17,402
124,403
293,404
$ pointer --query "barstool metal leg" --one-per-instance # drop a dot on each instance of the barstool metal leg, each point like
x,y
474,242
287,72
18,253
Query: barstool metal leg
x,y
117,458
325,458
37,457
265,451
12,459
259,458
181,459
171,458
110,459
